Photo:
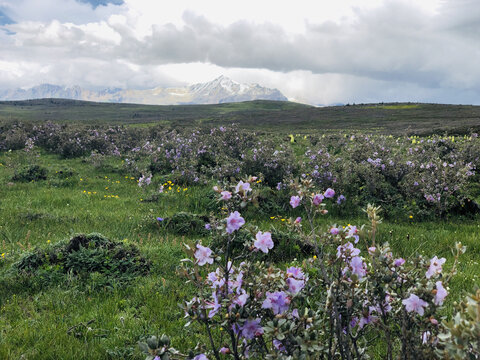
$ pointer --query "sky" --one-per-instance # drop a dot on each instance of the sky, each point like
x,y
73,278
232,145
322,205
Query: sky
x,y
320,52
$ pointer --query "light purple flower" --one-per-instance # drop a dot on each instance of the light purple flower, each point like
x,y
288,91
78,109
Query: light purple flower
x,y
435,267
317,199
234,222
278,345
241,300
251,329
203,255
296,272
298,220
224,350
352,233
341,199
159,219
347,249
329,193
295,201
334,231
414,303
277,301
441,294
226,195
295,286
425,337
208,226
399,262
200,357
242,187
358,267
264,241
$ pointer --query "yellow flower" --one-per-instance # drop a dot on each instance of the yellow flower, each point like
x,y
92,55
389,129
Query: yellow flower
x,y
411,216
48,241
272,217
314,257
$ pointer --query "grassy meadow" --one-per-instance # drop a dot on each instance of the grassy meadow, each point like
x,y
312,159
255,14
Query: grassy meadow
x,y
82,177
37,315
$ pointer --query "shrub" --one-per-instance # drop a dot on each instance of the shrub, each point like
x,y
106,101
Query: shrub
x,y
30,173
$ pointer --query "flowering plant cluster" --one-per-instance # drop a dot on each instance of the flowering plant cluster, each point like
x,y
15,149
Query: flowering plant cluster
x,y
421,177
352,292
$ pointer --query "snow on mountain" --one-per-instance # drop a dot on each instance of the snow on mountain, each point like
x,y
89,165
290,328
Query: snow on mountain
x,y
219,90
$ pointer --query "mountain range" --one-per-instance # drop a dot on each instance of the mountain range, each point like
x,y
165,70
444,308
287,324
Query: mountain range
x,y
220,90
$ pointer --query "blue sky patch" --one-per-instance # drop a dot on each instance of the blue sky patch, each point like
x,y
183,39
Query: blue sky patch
x,y
96,3
5,19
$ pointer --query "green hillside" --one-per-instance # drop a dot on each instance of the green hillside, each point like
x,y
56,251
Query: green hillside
x,y
273,115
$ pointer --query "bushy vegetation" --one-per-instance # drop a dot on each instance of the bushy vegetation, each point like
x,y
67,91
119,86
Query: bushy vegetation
x,y
302,282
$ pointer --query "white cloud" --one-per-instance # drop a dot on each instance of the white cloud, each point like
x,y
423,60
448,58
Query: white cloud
x,y
316,51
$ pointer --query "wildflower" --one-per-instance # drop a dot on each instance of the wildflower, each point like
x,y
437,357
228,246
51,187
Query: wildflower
x,y
435,267
242,187
295,286
317,199
334,231
200,357
234,222
414,303
224,350
226,195
441,293
298,220
399,262
296,272
295,201
410,217
425,336
251,329
352,233
278,345
208,226
358,267
203,255
341,199
329,193
159,219
277,301
264,241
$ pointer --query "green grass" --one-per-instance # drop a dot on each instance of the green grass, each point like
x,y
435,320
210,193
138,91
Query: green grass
x,y
35,321
396,118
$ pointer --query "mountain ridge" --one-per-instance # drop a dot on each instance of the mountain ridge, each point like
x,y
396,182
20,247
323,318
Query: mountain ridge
x,y
218,91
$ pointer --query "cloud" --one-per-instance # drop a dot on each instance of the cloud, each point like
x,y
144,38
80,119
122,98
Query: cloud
x,y
392,49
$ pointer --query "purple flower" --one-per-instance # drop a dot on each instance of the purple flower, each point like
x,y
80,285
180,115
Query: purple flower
x,y
317,199
352,233
298,220
435,267
399,262
251,329
295,286
334,231
296,272
414,303
208,226
329,193
264,241
277,301
441,293
200,357
295,201
425,336
348,250
159,219
224,350
242,187
358,267
226,195
234,222
341,199
203,255
278,345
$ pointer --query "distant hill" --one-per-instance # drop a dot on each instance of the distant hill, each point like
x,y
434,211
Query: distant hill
x,y
394,118
218,91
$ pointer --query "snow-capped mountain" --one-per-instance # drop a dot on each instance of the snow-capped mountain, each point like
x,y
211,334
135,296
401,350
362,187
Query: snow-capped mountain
x,y
220,90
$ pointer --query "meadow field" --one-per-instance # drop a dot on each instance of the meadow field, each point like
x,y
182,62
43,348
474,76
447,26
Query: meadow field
x,y
96,218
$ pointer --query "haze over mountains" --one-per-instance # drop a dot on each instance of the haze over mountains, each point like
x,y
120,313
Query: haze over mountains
x,y
220,90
